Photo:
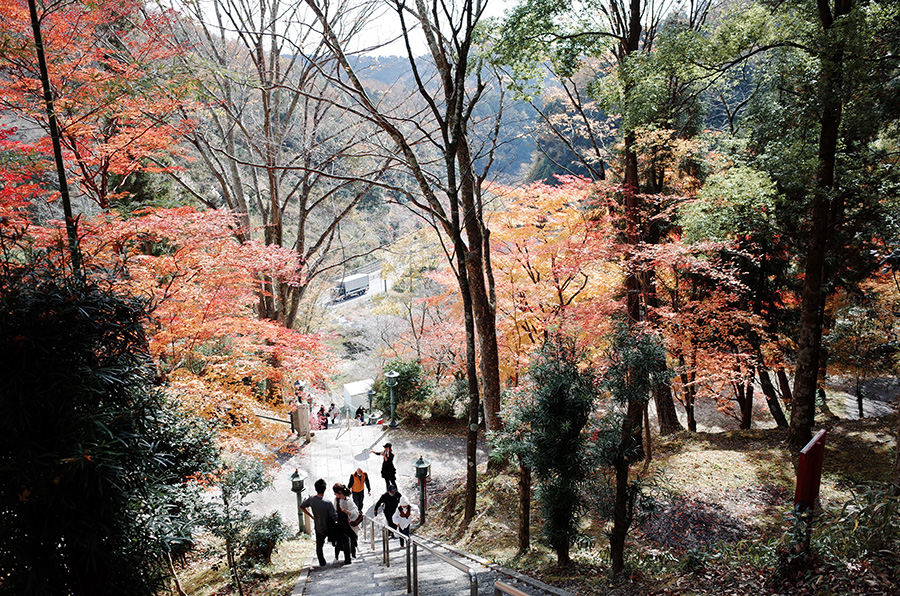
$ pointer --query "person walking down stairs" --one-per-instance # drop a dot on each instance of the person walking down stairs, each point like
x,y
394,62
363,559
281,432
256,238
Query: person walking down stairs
x,y
324,516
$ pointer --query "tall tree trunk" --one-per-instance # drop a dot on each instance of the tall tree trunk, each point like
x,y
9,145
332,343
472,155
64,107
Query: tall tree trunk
x,y
486,324
630,450
809,336
648,439
632,230
524,507
859,395
690,399
474,395
620,520
666,416
484,308
630,447
233,566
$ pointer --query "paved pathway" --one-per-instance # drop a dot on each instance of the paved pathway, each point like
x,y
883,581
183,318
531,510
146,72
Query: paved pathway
x,y
334,454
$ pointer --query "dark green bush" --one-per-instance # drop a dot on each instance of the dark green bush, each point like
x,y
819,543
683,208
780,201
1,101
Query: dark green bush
x,y
92,456
263,538
411,386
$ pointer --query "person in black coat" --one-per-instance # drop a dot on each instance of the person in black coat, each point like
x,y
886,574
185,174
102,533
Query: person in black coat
x,y
388,471
344,538
389,501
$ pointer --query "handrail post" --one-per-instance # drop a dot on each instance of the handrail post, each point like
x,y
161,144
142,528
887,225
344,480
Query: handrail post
x,y
408,565
415,555
412,560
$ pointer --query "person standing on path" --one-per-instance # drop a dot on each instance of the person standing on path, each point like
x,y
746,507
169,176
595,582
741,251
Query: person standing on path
x,y
388,471
323,513
358,484
389,502
343,540
405,515
345,504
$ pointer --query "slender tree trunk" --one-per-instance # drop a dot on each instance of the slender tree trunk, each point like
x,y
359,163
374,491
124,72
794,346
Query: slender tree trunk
x,y
859,395
178,589
486,325
621,523
524,507
690,395
746,392
632,278
630,442
809,336
765,382
630,450
233,566
648,439
484,307
71,224
896,490
632,230
666,416
630,447
689,400
784,384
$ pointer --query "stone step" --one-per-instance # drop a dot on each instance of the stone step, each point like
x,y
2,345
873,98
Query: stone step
x,y
368,576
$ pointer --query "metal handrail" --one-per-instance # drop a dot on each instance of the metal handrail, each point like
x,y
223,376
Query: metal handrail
x,y
501,588
412,559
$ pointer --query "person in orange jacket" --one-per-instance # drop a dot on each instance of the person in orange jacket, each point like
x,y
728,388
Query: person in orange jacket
x,y
358,485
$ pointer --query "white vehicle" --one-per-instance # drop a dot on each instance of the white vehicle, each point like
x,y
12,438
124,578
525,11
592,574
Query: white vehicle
x,y
355,285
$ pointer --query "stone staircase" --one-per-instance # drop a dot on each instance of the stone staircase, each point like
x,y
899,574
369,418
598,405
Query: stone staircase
x,y
367,575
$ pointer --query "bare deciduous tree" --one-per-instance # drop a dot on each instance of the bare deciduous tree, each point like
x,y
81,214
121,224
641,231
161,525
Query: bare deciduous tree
x,y
440,149
276,149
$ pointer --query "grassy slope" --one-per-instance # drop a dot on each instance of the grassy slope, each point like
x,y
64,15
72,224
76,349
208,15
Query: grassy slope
x,y
724,511
205,573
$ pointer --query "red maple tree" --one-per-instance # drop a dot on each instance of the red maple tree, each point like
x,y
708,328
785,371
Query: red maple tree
x,y
112,70
209,347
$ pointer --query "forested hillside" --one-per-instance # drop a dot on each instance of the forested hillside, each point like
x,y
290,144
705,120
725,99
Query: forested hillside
x,y
591,223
